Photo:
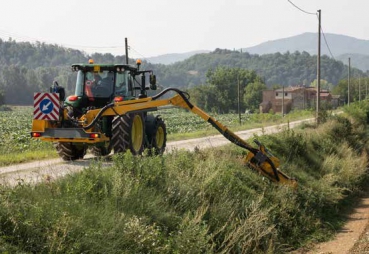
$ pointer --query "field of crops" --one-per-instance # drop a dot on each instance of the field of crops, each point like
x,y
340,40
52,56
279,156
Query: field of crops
x,y
181,121
15,126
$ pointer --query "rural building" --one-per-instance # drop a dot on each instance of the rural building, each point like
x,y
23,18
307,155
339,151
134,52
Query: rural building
x,y
293,97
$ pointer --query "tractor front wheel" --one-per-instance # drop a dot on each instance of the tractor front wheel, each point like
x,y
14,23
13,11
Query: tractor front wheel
x,y
101,149
156,134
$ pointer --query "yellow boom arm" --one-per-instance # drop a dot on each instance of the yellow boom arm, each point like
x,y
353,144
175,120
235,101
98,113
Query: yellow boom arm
x,y
258,159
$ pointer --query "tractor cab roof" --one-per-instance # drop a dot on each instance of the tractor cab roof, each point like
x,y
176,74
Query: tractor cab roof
x,y
104,67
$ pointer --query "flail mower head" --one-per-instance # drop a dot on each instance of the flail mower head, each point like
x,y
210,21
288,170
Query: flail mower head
x,y
267,164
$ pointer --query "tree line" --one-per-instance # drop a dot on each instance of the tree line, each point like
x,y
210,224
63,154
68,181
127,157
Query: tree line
x,y
26,68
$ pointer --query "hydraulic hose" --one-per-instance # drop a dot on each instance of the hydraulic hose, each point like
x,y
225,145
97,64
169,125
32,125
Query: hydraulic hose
x,y
98,116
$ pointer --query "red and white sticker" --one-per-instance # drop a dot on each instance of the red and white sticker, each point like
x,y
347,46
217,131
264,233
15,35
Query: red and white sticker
x,y
46,106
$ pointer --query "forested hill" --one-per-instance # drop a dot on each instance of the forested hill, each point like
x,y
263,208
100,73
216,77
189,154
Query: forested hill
x,y
174,57
283,69
26,68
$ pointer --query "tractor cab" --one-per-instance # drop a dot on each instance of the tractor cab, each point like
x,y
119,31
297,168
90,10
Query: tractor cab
x,y
97,85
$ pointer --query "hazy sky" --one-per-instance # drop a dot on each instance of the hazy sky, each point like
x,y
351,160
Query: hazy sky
x,y
155,27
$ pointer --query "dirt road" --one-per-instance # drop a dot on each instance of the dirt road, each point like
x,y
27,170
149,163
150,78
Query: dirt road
x,y
36,171
353,238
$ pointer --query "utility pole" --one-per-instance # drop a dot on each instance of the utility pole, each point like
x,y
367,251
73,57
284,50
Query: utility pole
x,y
348,83
239,99
126,41
318,71
359,88
282,101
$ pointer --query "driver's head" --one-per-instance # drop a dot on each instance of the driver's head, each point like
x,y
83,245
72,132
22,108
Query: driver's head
x,y
97,77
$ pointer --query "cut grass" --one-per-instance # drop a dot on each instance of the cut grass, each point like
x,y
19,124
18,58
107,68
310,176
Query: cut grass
x,y
21,157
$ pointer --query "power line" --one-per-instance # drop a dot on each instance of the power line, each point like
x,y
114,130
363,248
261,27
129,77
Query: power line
x,y
35,40
310,13
5,34
326,43
134,50
321,28
138,53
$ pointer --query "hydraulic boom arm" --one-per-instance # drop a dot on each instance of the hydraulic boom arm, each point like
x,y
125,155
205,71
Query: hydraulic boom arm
x,y
259,159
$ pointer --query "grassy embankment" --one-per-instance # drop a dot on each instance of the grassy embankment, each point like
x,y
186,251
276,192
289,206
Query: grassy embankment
x,y
204,202
16,145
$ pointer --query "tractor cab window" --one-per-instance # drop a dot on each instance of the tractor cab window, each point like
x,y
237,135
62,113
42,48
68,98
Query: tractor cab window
x,y
121,83
99,85
79,84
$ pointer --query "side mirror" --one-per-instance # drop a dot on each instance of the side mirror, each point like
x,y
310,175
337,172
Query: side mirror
x,y
153,82
130,85
58,89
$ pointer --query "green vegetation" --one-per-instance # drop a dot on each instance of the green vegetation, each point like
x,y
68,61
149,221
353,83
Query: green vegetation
x,y
184,125
183,202
284,69
16,144
26,68
203,202
223,88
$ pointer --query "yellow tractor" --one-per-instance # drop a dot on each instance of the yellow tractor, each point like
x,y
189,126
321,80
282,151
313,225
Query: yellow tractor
x,y
110,110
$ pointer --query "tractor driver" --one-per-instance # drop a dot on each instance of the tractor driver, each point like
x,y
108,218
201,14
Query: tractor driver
x,y
93,80
96,80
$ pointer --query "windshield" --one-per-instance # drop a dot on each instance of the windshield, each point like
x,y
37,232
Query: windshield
x,y
102,84
99,84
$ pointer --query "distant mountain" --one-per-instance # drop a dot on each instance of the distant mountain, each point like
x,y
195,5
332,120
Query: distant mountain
x,y
173,58
341,47
338,44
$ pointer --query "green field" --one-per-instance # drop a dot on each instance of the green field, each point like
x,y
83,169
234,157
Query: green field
x,y
17,146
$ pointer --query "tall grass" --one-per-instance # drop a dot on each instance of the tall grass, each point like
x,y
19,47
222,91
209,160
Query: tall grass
x,y
203,202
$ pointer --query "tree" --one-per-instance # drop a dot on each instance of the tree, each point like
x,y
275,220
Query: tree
x,y
220,93
324,85
2,98
253,95
226,82
15,86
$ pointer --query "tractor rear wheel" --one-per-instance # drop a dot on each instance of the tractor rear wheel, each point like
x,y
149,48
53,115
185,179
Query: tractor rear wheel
x,y
128,133
156,134
69,151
